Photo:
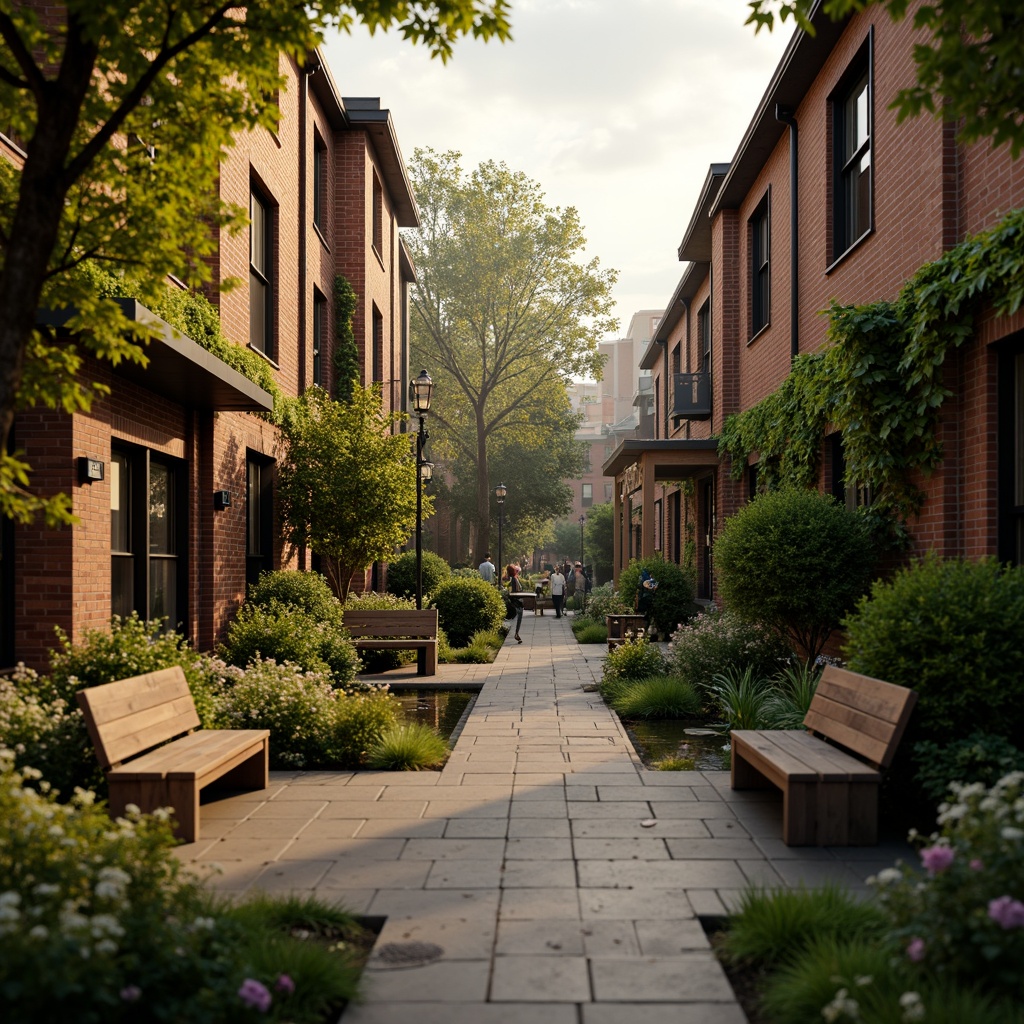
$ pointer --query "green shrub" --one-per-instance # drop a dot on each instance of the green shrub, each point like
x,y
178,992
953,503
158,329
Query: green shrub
x,y
797,561
309,592
791,696
742,698
673,600
381,659
361,718
980,757
635,658
675,763
409,747
715,643
402,574
605,600
657,697
951,630
591,633
465,606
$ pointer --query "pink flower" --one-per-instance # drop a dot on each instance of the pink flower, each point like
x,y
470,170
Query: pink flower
x,y
255,995
1007,912
131,994
977,865
936,859
285,984
915,949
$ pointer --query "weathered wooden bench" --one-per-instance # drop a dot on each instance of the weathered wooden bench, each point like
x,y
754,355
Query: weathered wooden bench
x,y
142,729
397,629
531,602
829,796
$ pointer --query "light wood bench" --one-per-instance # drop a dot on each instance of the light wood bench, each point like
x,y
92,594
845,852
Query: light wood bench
x,y
397,629
829,796
130,723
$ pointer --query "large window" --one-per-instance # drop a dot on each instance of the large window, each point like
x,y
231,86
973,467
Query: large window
x,y
377,356
259,517
588,495
1011,455
260,275
704,336
378,216
319,326
760,277
851,139
319,182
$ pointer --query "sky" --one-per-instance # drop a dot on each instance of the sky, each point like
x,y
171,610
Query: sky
x,y
616,108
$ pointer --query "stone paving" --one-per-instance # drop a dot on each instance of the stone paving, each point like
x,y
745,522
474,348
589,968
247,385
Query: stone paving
x,y
557,880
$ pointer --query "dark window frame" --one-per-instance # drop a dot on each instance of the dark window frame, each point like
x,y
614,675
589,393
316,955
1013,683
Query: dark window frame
x,y
259,540
1010,488
319,183
587,500
319,329
261,272
759,233
378,217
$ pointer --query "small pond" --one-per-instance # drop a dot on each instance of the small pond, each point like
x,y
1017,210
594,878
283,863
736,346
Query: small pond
x,y
442,710
660,738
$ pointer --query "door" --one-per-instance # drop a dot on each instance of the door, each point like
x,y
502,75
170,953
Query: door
x,y
707,526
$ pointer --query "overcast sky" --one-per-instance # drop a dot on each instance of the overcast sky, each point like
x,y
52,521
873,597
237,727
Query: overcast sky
x,y
614,107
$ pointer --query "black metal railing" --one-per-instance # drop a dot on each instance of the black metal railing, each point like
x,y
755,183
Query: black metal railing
x,y
691,396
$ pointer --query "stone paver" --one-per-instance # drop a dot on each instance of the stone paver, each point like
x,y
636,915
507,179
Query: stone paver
x,y
562,881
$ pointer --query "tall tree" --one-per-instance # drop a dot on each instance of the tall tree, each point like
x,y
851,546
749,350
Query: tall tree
x,y
599,537
346,483
123,110
970,71
503,309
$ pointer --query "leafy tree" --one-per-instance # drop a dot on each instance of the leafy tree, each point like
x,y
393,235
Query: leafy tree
x,y
124,109
599,536
346,353
969,72
346,483
502,311
567,538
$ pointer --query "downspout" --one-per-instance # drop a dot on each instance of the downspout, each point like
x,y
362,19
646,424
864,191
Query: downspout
x,y
785,115
664,362
686,306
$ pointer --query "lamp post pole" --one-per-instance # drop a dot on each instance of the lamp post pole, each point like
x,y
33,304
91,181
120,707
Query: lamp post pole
x,y
499,493
419,393
583,519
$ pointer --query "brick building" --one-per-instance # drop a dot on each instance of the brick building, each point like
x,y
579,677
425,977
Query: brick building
x,y
182,512
827,197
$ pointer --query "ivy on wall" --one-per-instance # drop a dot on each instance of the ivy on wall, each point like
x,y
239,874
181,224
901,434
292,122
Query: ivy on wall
x,y
346,354
879,379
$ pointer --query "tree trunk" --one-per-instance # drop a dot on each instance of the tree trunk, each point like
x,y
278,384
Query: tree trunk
x,y
483,490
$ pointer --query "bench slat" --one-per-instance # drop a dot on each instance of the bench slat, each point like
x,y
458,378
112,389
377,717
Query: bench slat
x,y
406,622
375,642
831,764
760,750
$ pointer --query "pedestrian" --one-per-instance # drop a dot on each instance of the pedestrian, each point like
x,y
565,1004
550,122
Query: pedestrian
x,y
570,579
557,582
486,568
580,586
515,588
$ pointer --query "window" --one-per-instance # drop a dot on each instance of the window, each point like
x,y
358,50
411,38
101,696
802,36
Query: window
x,y
760,277
851,141
657,526
608,492
147,536
849,492
260,283
587,464
319,182
378,216
259,517
1011,456
319,326
704,336
588,495
377,355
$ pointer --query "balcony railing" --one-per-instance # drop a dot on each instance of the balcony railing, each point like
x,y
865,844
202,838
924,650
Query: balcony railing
x,y
692,396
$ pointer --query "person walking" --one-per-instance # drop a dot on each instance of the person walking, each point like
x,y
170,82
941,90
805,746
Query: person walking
x,y
486,568
570,580
515,588
557,583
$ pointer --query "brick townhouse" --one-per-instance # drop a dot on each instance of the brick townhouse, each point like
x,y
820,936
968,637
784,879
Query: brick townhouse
x,y
827,197
172,474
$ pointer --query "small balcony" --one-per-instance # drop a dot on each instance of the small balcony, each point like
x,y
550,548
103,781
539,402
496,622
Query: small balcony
x,y
692,396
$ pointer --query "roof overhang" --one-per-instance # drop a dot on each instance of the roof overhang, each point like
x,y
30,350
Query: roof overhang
x,y
672,459
178,368
696,243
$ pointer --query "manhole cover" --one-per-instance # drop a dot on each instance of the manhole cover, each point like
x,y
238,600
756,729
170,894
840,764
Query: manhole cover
x,y
406,954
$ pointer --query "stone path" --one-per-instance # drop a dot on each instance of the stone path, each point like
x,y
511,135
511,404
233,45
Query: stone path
x,y
544,876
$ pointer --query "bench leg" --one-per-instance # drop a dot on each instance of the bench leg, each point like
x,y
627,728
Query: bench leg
x,y
253,773
183,796
799,804
863,814
744,775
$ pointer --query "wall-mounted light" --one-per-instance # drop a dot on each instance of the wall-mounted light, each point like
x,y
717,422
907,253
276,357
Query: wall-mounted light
x,y
89,470
221,500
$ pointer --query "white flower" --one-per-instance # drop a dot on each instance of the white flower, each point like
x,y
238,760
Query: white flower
x,y
913,1008
888,875
40,931
132,809
45,889
1010,832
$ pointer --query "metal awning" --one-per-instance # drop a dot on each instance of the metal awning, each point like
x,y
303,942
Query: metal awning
x,y
672,458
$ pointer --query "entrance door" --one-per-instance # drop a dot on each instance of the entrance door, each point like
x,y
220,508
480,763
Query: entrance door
x,y
707,525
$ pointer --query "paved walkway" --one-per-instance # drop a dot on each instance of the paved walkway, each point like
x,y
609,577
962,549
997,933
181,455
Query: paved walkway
x,y
560,880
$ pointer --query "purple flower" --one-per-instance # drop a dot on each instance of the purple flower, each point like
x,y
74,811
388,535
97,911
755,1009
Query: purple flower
x,y
131,994
977,865
915,949
255,995
284,984
1007,912
936,859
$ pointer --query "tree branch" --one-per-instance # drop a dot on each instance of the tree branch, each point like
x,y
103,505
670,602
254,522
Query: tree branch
x,y
34,77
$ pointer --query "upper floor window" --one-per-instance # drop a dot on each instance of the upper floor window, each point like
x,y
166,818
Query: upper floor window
x,y
319,326
319,182
588,495
260,275
760,276
704,336
851,139
378,216
377,355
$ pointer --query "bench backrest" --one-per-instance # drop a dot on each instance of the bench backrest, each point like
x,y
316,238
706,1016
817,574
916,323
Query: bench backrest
x,y
395,622
866,716
130,716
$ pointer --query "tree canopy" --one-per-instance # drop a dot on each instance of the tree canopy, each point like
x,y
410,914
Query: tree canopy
x,y
969,71
346,483
504,313
121,111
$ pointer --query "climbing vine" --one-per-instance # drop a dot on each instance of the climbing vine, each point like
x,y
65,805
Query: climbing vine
x,y
879,379
346,353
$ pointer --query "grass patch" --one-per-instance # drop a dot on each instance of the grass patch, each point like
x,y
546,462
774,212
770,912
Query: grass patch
x,y
410,747
675,763
656,697
591,633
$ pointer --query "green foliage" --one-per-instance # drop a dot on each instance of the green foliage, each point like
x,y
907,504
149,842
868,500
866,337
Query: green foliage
x,y
402,574
307,592
361,718
979,757
796,560
673,600
590,632
951,630
742,698
599,537
346,483
717,642
657,697
605,600
346,352
465,606
675,763
793,690
635,658
409,747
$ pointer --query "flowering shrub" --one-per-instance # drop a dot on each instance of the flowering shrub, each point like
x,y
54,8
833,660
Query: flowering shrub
x,y
715,643
604,600
634,658
966,916
361,718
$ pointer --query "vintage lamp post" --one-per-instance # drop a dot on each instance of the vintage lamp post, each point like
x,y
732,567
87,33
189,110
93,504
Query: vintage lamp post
x,y
419,394
499,493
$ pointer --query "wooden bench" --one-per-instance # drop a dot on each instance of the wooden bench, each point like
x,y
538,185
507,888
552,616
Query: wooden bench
x,y
531,602
130,723
397,629
620,624
829,796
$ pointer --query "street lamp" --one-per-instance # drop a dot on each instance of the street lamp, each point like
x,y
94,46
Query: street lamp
x,y
583,519
499,493
419,395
